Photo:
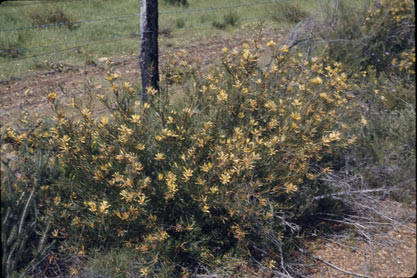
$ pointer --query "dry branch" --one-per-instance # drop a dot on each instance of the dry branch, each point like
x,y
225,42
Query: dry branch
x,y
340,269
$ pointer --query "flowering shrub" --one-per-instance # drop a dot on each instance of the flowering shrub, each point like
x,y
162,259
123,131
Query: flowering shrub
x,y
378,36
213,164
390,28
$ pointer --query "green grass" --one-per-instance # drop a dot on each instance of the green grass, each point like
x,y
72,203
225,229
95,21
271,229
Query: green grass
x,y
196,27
116,37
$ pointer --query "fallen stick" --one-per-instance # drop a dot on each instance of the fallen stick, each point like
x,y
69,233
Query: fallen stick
x,y
339,269
349,192
333,266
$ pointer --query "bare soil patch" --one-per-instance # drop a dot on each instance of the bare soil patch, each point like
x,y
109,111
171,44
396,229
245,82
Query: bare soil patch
x,y
388,251
29,94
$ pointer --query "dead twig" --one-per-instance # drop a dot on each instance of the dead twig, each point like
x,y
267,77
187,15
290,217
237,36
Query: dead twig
x,y
332,265
341,244
349,193
340,269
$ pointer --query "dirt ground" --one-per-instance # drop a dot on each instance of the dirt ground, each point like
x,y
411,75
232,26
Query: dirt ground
x,y
390,253
29,94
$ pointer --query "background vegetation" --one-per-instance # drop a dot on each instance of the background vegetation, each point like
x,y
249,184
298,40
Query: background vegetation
x,y
224,171
81,42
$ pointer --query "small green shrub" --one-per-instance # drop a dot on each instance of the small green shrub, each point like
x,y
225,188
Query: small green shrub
x,y
386,147
288,12
177,2
219,25
204,18
11,46
116,263
230,18
180,23
51,14
165,32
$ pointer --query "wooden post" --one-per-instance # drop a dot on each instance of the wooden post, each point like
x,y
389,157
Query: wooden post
x,y
149,45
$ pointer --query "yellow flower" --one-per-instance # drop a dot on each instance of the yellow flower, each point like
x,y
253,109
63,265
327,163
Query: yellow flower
x,y
214,189
297,102
206,208
86,112
271,43
103,207
170,120
316,80
104,120
151,91
74,271
334,136
141,199
92,206
140,147
98,175
125,131
135,118
352,140
188,173
170,180
290,188
325,140
222,96
296,116
126,195
284,48
364,121
225,178
159,156
271,106
246,54
112,77
55,233
225,50
144,271
208,125
146,106
52,96
324,96
268,215
272,264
